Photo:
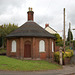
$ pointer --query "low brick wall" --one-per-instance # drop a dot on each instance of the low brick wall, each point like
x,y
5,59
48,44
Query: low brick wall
x,y
67,61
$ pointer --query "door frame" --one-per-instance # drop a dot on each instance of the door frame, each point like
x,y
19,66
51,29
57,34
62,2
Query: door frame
x,y
27,42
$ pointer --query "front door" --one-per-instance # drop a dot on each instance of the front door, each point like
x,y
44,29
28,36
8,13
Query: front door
x,y
27,50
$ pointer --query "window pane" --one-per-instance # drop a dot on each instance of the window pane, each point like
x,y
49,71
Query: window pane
x,y
41,46
52,47
13,46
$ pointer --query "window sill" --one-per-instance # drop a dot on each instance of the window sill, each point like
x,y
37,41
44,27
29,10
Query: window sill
x,y
42,52
13,52
52,52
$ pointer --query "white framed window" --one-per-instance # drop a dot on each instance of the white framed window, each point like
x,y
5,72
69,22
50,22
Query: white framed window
x,y
13,46
52,47
41,46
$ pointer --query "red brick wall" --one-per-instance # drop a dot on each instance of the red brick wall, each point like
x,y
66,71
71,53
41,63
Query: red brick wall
x,y
37,53
22,47
9,52
34,48
18,53
42,55
48,48
8,47
52,53
57,48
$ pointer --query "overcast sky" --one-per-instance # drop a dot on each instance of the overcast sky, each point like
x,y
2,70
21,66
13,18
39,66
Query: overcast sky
x,y
45,11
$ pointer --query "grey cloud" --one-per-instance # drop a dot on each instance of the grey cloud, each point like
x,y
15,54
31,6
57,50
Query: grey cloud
x,y
46,11
43,19
11,2
8,5
71,17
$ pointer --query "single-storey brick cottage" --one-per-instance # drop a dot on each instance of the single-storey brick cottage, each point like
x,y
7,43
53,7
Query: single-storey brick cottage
x,y
30,41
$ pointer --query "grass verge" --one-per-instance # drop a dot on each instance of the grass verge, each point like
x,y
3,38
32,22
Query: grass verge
x,y
11,64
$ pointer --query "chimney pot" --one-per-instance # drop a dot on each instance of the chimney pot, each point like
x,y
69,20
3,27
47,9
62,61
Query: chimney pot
x,y
46,25
30,14
29,8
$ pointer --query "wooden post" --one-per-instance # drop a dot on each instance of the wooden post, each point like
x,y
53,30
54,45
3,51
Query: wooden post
x,y
70,35
64,30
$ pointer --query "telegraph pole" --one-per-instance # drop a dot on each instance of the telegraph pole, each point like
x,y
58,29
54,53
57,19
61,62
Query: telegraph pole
x,y
64,30
70,34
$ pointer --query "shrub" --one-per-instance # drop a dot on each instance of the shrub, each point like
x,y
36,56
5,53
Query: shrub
x,y
60,44
68,53
56,56
67,47
71,51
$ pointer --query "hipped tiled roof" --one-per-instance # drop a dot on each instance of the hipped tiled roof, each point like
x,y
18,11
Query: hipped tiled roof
x,y
30,29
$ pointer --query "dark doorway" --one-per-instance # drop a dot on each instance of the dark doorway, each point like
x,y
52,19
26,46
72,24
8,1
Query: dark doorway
x,y
27,49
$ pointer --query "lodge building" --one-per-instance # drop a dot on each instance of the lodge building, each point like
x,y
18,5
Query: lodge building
x,y
30,40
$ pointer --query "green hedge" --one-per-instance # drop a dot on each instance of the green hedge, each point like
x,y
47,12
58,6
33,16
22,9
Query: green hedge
x,y
2,51
68,53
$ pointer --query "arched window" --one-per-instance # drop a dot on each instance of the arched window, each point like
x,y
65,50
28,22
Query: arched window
x,y
41,46
52,47
13,46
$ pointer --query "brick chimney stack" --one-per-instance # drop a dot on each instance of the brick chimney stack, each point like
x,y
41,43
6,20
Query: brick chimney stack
x,y
30,14
46,25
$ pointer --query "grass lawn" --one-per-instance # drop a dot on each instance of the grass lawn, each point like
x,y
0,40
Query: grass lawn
x,y
11,64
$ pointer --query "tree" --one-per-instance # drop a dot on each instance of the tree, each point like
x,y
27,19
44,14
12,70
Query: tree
x,y
59,41
58,38
5,30
70,35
